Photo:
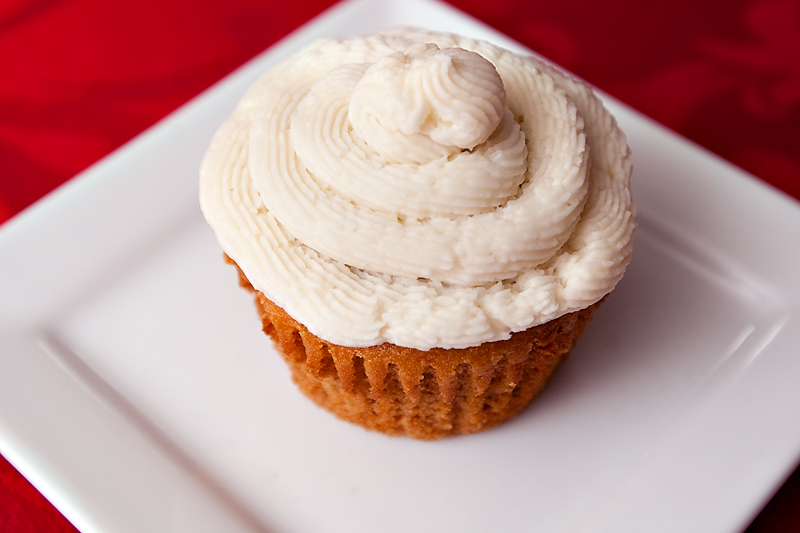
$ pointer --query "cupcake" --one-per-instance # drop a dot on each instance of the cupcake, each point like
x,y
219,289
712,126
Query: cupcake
x,y
427,223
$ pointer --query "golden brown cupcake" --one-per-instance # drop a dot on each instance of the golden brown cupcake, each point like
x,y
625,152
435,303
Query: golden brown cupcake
x,y
427,222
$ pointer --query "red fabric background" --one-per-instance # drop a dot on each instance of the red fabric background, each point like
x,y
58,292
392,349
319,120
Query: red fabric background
x,y
78,78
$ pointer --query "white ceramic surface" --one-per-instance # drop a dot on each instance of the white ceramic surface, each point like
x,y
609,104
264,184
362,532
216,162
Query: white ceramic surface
x,y
138,394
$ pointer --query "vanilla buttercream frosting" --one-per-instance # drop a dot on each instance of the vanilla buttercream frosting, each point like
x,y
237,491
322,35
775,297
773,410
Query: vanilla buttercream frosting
x,y
421,188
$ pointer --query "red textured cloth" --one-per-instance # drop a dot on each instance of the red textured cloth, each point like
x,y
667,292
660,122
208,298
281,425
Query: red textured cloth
x,y
78,78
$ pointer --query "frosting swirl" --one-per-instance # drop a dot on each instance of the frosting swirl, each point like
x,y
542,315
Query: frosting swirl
x,y
422,189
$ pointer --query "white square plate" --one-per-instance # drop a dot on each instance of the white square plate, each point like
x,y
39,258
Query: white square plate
x,y
138,393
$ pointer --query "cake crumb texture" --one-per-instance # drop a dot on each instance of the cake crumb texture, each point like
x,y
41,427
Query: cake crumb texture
x,y
425,395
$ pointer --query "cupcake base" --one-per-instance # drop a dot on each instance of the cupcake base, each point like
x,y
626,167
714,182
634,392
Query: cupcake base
x,y
422,394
